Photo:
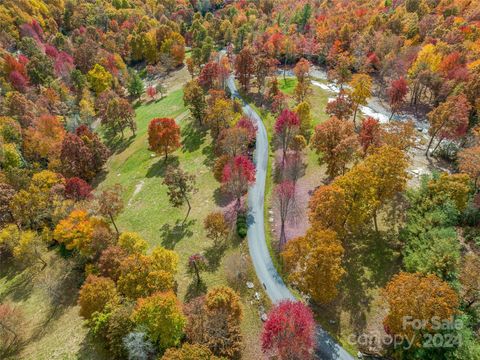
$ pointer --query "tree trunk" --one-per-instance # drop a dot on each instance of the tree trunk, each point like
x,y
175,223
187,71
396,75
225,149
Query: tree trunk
x,y
114,225
283,238
197,272
375,221
391,116
438,144
39,257
430,143
355,116
188,211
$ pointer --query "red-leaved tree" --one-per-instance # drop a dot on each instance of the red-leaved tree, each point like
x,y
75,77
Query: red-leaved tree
x,y
396,94
237,176
77,189
289,331
286,127
163,135
151,92
208,77
370,134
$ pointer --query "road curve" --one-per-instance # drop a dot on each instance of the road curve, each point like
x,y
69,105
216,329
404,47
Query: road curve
x,y
275,288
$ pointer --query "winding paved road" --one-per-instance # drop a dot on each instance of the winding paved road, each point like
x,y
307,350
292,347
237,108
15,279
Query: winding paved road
x,y
275,288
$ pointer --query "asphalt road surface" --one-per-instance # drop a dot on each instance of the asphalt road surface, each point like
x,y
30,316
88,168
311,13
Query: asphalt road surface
x,y
274,286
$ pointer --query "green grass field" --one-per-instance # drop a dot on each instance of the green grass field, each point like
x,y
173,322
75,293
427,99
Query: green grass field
x,y
148,211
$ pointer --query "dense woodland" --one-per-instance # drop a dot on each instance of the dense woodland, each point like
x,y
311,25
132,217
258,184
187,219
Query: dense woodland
x,y
73,74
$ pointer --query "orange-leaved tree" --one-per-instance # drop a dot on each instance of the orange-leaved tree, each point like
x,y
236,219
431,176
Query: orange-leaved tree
x,y
417,297
163,136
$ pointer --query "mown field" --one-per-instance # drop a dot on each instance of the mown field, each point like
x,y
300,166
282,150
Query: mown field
x,y
148,211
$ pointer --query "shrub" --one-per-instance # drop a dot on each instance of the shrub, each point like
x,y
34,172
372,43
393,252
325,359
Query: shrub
x,y
242,225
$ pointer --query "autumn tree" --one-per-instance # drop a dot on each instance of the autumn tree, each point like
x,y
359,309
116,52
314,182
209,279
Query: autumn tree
x,y
328,208
314,263
6,195
77,189
234,141
110,203
469,163
110,261
196,264
75,231
181,186
416,296
161,315
119,115
99,79
11,326
289,332
82,154
213,320
223,306
453,187
132,243
32,207
220,116
449,120
361,90
303,111
340,107
189,352
142,275
470,282
43,140
286,127
396,94
244,67
216,227
302,71
163,136
337,142
208,77
370,134
372,183
237,175
194,98
399,134
285,201
30,247
151,92
96,293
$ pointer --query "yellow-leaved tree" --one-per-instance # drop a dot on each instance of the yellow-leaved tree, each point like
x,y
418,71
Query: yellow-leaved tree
x,y
314,263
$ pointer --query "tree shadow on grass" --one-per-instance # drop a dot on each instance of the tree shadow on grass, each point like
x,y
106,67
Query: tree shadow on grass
x,y
21,287
158,169
209,153
370,261
221,198
214,256
195,290
117,144
193,137
171,235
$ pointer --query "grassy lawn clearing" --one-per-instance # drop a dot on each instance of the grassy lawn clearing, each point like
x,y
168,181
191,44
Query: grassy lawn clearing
x,y
148,211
